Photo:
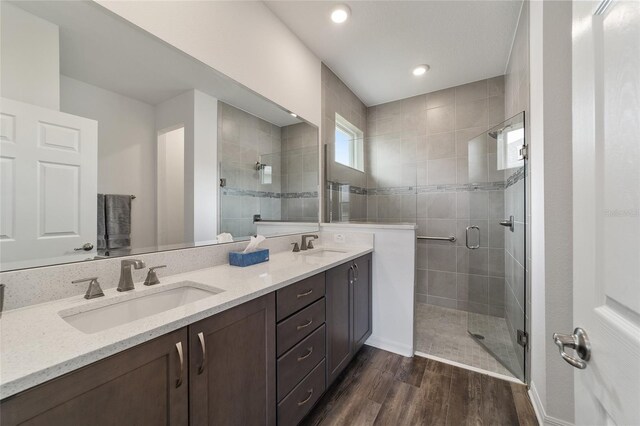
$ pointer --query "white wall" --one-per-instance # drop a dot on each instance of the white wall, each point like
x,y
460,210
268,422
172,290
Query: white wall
x,y
243,40
552,280
126,149
30,65
198,114
394,267
171,187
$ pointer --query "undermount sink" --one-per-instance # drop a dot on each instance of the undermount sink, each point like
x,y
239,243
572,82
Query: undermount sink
x,y
141,306
324,252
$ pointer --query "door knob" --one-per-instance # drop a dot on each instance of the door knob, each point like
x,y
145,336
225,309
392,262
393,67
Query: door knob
x,y
508,223
578,341
85,247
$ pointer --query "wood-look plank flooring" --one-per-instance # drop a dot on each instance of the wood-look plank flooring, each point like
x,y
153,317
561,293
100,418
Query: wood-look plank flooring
x,y
382,388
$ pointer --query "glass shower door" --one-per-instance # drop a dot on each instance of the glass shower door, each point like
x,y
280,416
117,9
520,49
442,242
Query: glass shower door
x,y
493,251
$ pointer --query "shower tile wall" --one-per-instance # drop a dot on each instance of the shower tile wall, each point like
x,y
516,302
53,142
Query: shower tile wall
x,y
418,171
348,185
517,100
300,173
244,139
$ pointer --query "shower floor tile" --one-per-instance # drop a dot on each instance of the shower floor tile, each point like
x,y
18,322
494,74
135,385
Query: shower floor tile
x,y
442,332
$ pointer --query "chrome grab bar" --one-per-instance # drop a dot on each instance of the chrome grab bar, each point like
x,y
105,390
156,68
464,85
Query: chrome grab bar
x,y
451,238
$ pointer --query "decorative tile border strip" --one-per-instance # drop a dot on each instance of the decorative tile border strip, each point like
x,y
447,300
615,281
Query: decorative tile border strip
x,y
420,189
335,186
268,194
515,177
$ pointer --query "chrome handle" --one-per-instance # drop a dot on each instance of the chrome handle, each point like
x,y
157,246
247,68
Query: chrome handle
x,y
477,246
304,294
300,327
307,399
153,268
307,355
356,270
203,348
181,358
508,223
85,247
350,274
451,238
578,341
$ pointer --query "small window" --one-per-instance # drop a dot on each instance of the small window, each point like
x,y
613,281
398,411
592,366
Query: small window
x,y
349,145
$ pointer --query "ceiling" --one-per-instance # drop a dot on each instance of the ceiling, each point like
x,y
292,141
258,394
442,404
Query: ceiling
x,y
375,51
101,49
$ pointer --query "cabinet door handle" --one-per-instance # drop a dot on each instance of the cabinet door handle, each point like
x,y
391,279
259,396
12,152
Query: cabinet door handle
x,y
307,398
304,294
203,348
300,327
356,270
181,358
307,355
350,274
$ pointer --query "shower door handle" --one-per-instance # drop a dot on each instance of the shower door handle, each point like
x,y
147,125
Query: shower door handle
x,y
477,246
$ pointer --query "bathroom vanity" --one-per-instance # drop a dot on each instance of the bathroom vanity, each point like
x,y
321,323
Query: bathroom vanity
x,y
265,356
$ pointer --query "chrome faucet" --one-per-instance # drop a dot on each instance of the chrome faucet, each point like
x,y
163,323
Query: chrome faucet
x,y
126,279
308,245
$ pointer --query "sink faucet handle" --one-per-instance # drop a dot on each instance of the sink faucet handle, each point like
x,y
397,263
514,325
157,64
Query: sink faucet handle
x,y
152,276
296,247
93,290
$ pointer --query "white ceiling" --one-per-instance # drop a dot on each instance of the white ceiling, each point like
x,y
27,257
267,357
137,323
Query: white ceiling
x,y
375,51
100,48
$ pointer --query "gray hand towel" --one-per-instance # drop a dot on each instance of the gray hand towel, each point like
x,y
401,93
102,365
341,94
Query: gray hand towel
x,y
118,220
102,223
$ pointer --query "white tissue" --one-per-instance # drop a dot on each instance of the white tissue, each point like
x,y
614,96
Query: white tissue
x,y
225,237
254,243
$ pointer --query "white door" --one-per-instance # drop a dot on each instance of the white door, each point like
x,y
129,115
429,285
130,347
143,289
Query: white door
x,y
606,189
48,172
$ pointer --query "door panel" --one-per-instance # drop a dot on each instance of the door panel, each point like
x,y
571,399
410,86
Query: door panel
x,y
606,198
138,386
362,302
49,178
339,337
232,381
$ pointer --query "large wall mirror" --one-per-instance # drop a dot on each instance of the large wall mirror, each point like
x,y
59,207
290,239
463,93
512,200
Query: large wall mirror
x,y
113,143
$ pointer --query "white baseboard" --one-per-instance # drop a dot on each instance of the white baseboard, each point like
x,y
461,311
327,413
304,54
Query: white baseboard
x,y
391,346
538,407
469,367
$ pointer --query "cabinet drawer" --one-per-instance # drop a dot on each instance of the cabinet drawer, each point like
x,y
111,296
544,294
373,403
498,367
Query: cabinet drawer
x,y
299,326
302,398
299,361
296,296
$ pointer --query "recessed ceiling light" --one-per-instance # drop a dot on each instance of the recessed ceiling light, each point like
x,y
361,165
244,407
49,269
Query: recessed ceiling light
x,y
421,69
293,114
340,13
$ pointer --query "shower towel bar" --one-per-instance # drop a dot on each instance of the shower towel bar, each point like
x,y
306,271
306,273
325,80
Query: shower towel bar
x,y
451,238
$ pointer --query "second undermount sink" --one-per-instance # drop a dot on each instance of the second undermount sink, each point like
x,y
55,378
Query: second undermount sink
x,y
140,306
324,252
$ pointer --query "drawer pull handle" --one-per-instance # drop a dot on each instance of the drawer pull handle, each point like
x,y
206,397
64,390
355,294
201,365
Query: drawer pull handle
x,y
181,359
300,327
307,399
203,347
304,294
307,355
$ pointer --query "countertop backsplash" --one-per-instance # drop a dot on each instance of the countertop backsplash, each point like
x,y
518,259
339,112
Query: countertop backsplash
x,y
32,286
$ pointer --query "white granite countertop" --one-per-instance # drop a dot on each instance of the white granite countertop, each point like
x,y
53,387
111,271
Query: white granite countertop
x,y
37,345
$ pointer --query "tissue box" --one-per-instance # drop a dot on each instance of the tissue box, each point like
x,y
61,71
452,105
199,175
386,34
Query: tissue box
x,y
247,259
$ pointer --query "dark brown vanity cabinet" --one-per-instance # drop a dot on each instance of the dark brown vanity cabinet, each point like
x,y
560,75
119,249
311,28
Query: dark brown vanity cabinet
x,y
348,312
232,368
220,370
145,385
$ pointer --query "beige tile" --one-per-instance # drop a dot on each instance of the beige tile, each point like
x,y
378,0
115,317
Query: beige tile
x,y
440,119
464,136
495,86
440,98
471,92
441,171
440,145
495,107
471,114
